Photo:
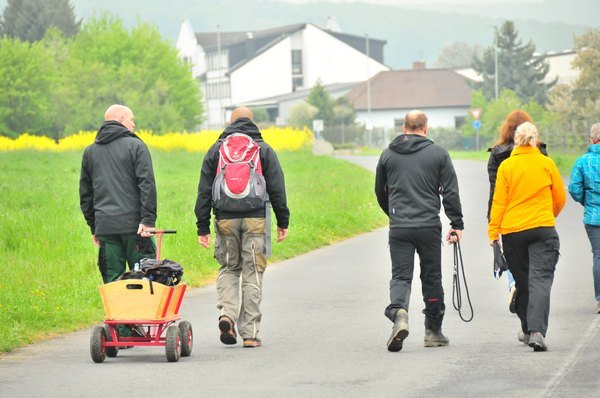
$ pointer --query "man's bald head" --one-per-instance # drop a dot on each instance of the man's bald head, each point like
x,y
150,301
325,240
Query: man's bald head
x,y
415,122
242,111
121,114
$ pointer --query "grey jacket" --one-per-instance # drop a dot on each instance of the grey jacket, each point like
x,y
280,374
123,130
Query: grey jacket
x,y
412,174
117,190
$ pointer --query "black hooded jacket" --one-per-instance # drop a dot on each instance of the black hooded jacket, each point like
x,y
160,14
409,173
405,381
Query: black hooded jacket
x,y
411,175
271,171
117,190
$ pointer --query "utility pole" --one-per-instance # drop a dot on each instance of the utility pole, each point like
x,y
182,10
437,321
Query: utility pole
x,y
218,87
369,123
496,61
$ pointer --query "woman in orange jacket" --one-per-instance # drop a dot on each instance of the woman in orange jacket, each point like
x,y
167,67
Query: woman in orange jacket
x,y
529,194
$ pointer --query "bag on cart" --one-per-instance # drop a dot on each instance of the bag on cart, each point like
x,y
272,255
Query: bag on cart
x,y
165,271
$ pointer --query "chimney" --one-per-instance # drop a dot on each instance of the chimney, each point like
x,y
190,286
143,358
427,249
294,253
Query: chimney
x,y
419,65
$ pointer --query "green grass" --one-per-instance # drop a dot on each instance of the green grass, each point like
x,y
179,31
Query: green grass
x,y
49,276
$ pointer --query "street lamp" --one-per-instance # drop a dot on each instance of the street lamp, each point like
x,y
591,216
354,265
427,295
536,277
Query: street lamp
x,y
496,61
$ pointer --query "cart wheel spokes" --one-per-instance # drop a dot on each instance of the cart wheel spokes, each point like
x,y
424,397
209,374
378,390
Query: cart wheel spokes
x,y
187,338
173,343
111,352
97,348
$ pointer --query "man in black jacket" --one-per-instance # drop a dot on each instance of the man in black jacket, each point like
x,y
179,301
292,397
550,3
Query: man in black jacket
x,y
118,194
411,175
242,238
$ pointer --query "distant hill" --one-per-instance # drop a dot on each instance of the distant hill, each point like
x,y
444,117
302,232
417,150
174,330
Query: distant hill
x,y
412,33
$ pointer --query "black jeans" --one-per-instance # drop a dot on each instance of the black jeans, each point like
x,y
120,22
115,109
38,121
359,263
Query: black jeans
x,y
532,256
427,242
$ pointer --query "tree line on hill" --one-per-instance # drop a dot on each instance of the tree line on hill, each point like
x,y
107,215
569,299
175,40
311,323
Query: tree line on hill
x,y
57,75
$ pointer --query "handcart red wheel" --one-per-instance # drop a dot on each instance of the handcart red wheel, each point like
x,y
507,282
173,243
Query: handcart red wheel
x,y
150,310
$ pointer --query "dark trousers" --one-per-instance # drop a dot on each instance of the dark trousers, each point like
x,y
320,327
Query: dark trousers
x,y
532,256
593,232
117,250
427,242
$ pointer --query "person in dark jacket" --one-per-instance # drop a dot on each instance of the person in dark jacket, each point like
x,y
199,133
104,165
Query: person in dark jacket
x,y
242,238
411,175
499,153
118,194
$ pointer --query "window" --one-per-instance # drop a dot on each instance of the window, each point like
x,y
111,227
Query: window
x,y
216,60
297,62
398,123
459,121
217,90
297,82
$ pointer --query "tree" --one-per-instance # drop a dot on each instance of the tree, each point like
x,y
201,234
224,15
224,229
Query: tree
x,y
494,112
26,76
302,115
320,99
343,111
29,20
587,87
458,54
138,68
518,69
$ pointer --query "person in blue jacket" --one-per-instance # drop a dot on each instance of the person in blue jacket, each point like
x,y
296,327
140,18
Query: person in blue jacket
x,y
584,187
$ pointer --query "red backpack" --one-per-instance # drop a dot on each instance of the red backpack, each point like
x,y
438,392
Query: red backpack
x,y
239,185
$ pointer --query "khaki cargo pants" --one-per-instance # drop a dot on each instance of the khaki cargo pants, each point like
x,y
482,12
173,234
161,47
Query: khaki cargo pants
x,y
240,250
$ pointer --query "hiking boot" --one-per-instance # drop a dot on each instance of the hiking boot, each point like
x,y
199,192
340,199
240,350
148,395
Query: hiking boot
x,y
536,341
228,334
399,331
512,300
252,343
523,337
435,338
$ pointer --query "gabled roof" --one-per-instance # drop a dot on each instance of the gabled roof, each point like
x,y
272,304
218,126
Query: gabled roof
x,y
410,89
209,40
246,45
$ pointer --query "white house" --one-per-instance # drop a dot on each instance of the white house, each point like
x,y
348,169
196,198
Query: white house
x,y
237,68
560,63
382,101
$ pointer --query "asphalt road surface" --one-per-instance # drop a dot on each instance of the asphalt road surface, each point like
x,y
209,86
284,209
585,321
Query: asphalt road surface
x,y
324,333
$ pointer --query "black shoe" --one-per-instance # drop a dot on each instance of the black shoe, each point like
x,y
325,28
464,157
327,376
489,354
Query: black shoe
x,y
512,300
228,334
435,338
399,331
536,341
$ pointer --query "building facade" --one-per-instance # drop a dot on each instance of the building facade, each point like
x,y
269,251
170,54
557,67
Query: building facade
x,y
237,68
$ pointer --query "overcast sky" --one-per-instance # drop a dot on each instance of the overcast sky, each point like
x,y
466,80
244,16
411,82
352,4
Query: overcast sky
x,y
421,2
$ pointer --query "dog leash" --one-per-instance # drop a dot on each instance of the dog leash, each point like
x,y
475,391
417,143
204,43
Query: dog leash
x,y
456,284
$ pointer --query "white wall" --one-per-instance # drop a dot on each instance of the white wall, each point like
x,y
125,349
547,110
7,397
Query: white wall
x,y
188,47
561,67
333,61
267,75
438,117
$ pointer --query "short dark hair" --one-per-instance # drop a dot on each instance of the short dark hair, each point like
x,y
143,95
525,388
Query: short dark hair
x,y
415,121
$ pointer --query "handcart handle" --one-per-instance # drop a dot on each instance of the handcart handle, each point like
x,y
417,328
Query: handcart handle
x,y
159,233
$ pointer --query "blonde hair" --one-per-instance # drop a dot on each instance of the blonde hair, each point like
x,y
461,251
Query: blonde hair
x,y
526,135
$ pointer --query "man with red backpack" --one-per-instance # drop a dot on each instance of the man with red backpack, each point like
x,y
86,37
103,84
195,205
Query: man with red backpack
x,y
240,176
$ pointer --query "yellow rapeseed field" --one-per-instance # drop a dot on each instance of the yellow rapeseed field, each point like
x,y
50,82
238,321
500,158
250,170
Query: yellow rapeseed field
x,y
280,138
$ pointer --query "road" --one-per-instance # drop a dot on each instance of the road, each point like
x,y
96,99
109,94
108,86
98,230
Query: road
x,y
324,332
